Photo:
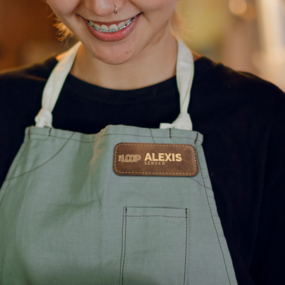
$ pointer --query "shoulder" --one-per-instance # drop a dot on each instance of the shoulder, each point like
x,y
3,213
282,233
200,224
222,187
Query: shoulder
x,y
22,85
38,72
239,90
21,93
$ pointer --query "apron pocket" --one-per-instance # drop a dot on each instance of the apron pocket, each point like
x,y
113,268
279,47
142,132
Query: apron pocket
x,y
154,246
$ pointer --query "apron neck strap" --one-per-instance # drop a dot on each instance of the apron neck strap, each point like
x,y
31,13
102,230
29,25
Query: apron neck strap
x,y
54,85
184,75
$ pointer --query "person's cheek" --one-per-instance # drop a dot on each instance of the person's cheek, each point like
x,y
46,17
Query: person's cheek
x,y
156,12
154,5
63,7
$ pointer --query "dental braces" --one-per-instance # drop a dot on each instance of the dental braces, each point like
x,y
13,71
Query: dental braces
x,y
112,31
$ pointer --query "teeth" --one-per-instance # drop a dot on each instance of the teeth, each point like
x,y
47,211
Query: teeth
x,y
121,25
97,27
104,28
113,28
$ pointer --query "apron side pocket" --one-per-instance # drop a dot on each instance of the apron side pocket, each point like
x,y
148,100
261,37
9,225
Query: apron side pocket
x,y
154,246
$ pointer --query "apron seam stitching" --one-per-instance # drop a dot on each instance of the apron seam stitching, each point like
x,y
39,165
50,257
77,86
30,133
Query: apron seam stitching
x,y
125,243
9,179
185,263
152,135
112,135
183,217
200,183
215,226
145,216
44,162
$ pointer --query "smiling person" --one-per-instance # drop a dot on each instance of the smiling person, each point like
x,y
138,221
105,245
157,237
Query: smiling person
x,y
112,173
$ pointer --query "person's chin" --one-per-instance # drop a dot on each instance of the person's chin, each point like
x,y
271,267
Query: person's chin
x,y
114,59
115,54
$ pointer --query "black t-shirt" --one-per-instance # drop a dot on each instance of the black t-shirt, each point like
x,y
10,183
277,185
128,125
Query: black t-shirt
x,y
241,117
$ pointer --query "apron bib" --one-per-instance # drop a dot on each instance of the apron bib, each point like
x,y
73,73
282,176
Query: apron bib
x,y
79,209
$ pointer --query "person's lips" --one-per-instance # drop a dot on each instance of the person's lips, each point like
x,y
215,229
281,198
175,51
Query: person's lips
x,y
112,31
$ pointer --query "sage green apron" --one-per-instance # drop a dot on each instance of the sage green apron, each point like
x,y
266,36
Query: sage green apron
x,y
66,218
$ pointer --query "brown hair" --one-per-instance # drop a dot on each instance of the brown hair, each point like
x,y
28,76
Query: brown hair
x,y
176,27
177,23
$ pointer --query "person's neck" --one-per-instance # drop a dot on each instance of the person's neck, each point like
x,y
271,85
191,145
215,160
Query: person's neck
x,y
154,64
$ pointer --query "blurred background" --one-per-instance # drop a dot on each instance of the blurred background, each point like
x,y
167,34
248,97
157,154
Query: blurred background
x,y
246,35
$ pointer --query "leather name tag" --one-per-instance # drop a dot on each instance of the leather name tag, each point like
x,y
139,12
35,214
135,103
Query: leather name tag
x,y
150,159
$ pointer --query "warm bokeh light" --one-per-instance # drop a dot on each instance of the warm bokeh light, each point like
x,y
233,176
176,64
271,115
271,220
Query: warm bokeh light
x,y
246,35
238,7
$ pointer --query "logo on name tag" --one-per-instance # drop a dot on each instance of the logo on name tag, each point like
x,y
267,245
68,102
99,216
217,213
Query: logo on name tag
x,y
155,159
129,158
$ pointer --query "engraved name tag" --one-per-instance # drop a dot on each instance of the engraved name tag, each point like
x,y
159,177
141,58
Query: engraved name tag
x,y
152,159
